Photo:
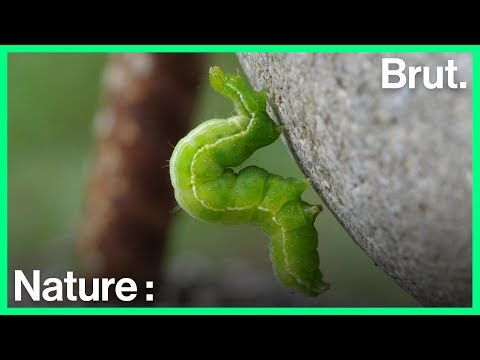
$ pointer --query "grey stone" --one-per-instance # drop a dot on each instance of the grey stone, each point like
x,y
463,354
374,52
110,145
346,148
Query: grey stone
x,y
393,165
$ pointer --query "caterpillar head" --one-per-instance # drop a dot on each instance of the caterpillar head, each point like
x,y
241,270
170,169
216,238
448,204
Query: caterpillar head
x,y
232,86
217,78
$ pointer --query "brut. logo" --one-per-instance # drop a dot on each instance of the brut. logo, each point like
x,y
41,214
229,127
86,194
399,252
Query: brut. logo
x,y
393,76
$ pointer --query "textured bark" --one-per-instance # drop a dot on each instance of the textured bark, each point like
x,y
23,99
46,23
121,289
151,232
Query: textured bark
x,y
394,166
149,100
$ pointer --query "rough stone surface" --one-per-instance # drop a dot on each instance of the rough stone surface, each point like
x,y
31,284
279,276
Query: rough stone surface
x,y
394,166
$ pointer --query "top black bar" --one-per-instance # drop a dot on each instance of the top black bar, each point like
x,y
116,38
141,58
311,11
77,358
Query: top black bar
x,y
155,37
258,22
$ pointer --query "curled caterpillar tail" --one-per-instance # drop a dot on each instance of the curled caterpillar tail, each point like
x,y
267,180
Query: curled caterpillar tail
x,y
293,248
208,189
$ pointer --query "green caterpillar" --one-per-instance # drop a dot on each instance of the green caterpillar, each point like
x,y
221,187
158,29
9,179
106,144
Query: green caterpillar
x,y
208,189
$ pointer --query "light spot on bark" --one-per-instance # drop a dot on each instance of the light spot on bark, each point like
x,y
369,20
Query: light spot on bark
x,y
103,123
141,64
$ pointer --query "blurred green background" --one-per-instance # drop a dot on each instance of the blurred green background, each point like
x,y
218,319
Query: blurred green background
x,y
52,99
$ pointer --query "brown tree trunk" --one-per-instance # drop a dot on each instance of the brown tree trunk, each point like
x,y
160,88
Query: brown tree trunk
x,y
148,103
